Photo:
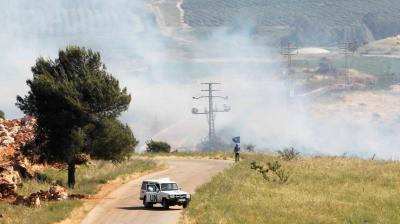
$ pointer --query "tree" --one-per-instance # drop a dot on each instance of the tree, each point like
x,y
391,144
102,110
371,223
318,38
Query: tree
x,y
2,115
76,103
157,146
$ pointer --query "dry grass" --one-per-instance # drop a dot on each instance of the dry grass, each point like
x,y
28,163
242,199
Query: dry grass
x,y
218,155
320,190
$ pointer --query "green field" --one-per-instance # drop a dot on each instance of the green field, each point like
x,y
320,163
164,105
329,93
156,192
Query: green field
x,y
305,23
283,12
319,190
89,179
371,65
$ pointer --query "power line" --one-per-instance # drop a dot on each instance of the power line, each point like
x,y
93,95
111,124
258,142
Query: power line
x,y
211,110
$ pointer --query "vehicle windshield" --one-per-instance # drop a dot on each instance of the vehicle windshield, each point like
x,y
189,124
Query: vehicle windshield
x,y
169,187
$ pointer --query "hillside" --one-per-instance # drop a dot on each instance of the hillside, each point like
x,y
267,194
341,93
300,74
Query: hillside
x,y
389,47
364,20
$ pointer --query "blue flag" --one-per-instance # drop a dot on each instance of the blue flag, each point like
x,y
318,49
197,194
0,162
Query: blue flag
x,y
236,139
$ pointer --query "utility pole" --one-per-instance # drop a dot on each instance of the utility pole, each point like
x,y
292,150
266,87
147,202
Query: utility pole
x,y
211,110
346,51
289,52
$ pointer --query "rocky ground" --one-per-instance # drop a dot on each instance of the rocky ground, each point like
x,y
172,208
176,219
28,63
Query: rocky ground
x,y
15,167
13,135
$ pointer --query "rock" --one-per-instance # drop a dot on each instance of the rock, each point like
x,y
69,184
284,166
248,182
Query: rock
x,y
19,200
56,189
62,196
33,201
58,193
78,196
14,130
22,171
10,175
6,140
7,190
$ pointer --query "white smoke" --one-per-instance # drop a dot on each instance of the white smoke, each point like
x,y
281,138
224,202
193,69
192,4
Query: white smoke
x,y
163,74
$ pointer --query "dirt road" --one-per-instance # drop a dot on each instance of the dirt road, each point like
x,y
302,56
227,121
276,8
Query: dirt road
x,y
123,206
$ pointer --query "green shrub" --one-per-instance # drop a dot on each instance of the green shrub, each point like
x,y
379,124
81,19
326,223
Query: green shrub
x,y
157,146
2,115
276,170
288,154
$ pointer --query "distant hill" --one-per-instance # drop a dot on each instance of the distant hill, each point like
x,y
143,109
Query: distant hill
x,y
326,20
389,47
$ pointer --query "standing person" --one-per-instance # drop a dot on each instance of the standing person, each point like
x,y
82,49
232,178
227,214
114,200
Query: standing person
x,y
236,140
237,151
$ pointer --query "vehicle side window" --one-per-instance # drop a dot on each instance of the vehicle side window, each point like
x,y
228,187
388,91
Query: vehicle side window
x,y
151,188
158,186
144,185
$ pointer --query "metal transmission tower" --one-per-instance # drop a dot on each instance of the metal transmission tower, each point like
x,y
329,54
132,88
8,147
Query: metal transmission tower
x,y
289,52
346,51
211,110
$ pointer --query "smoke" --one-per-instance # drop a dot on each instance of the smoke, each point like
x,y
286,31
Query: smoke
x,y
163,74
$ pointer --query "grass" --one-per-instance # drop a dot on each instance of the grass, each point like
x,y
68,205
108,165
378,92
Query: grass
x,y
219,155
319,190
372,65
49,213
88,178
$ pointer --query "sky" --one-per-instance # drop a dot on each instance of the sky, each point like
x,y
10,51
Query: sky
x,y
163,75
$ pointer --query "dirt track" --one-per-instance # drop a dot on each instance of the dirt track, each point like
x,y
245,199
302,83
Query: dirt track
x,y
123,204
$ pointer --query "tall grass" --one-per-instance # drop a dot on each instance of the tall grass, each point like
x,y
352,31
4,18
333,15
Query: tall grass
x,y
88,178
320,190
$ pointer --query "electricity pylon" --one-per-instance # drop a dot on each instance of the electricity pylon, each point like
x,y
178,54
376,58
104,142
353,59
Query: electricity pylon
x,y
211,110
346,51
289,51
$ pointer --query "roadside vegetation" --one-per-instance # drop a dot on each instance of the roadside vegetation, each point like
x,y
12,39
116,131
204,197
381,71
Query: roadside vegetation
x,y
89,180
218,155
318,190
157,147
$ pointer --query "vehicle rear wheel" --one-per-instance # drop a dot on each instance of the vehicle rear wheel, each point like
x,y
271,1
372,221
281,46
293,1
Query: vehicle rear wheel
x,y
165,204
147,204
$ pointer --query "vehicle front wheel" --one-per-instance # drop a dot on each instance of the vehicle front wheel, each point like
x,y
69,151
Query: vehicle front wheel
x,y
165,204
185,204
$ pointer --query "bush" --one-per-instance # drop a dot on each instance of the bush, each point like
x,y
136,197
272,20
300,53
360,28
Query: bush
x,y
2,115
288,153
250,148
275,168
157,146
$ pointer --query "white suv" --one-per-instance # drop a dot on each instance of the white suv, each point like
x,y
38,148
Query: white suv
x,y
163,191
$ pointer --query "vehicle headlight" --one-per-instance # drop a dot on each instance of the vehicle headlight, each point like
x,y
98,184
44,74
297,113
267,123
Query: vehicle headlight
x,y
171,196
188,196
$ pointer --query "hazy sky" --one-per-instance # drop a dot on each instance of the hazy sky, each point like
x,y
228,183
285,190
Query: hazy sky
x,y
162,81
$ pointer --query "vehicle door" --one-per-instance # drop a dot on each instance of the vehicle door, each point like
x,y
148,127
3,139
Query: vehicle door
x,y
151,193
143,190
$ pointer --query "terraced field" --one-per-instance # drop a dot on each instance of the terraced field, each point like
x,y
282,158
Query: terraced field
x,y
307,23
283,12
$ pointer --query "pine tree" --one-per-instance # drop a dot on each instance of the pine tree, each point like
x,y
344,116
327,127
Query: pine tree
x,y
77,103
